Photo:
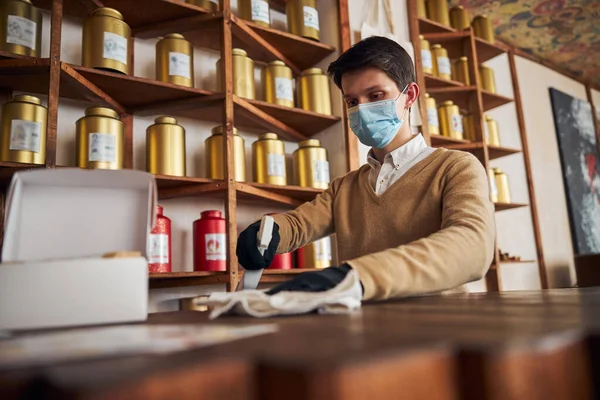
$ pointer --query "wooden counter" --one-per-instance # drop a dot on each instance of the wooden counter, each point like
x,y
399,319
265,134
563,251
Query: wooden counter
x,y
511,345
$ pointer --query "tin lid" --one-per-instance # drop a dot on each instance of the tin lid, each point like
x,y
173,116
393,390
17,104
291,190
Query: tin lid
x,y
481,66
497,171
101,112
211,214
25,98
268,136
488,118
427,95
312,71
239,52
481,16
421,37
463,58
174,36
107,12
218,130
447,103
436,46
457,8
165,120
159,210
26,1
309,143
277,63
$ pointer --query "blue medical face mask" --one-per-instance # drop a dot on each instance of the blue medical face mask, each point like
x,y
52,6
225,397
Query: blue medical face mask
x,y
375,124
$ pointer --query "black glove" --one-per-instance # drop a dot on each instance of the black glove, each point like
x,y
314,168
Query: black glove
x,y
317,281
247,248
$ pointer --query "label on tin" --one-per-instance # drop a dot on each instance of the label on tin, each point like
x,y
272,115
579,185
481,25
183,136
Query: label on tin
x,y
215,246
323,249
158,248
432,117
311,17
179,64
486,132
321,171
115,47
426,59
260,11
443,65
283,89
25,135
457,125
494,188
275,164
102,147
21,31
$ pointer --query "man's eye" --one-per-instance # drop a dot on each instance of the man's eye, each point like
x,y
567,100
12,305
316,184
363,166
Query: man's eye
x,y
352,103
376,96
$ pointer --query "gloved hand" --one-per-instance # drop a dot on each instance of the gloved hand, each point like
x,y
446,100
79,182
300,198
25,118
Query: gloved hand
x,y
247,248
314,281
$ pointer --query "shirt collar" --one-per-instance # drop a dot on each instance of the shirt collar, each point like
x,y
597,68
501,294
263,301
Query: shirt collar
x,y
402,154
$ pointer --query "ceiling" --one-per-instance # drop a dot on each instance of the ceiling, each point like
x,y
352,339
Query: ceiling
x,y
564,33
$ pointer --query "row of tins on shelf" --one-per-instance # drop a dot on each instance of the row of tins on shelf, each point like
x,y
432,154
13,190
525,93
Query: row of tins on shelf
x,y
457,17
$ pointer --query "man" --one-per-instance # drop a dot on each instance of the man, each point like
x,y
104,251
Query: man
x,y
414,220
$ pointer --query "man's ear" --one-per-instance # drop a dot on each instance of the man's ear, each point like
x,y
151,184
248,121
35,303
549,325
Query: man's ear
x,y
412,94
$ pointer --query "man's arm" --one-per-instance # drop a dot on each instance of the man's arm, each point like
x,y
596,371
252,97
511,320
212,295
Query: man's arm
x,y
460,252
309,222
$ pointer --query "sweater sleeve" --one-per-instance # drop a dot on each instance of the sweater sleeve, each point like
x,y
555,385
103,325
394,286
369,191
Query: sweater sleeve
x,y
460,252
309,222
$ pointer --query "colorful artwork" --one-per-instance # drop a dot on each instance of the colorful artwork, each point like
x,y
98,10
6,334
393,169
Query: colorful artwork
x,y
566,33
580,163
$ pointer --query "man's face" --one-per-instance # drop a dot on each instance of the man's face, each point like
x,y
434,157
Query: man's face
x,y
370,84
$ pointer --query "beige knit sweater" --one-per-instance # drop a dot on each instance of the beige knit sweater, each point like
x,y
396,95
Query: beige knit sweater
x,y
431,231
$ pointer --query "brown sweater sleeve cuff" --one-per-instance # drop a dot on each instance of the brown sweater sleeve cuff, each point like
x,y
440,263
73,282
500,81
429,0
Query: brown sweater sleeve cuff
x,y
285,233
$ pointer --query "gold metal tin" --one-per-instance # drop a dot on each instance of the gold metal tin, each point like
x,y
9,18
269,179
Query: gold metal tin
x,y
243,75
313,91
213,147
175,60
268,160
165,147
211,5
482,27
502,185
450,120
256,11
433,121
23,130
459,18
303,18
106,41
493,134
318,254
468,122
437,10
441,62
100,137
493,187
488,81
21,28
460,70
278,84
311,166
421,11
426,57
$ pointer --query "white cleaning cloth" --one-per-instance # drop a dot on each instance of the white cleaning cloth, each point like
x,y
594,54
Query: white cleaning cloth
x,y
344,298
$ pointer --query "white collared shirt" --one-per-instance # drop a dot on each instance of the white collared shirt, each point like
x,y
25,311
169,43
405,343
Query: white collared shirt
x,y
396,163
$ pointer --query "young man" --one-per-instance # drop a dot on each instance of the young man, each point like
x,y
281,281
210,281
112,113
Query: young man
x,y
414,220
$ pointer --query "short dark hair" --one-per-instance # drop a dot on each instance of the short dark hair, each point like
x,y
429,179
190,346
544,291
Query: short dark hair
x,y
379,52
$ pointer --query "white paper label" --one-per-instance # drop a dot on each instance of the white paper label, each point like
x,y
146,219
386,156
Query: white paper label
x,y
102,147
426,59
311,17
323,249
486,132
321,171
443,65
283,89
25,135
494,188
158,248
215,246
275,164
457,123
260,11
432,117
179,64
21,31
115,47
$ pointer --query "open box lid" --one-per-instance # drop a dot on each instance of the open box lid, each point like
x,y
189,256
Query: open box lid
x,y
72,212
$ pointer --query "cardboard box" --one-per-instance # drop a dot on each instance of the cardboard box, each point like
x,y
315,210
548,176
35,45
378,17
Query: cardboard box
x,y
58,224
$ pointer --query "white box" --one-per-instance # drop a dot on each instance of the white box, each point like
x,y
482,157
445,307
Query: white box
x,y
58,223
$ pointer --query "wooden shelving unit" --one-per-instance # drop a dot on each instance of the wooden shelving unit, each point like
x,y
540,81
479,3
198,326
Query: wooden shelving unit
x,y
132,95
472,99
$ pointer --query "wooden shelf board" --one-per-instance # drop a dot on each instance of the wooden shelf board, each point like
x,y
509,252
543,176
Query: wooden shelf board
x,y
477,149
429,26
291,196
493,100
443,141
495,152
454,42
433,81
297,192
486,50
517,262
463,96
508,206
170,181
180,279
282,275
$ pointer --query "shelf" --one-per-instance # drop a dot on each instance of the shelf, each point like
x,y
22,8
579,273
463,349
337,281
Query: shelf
x,y
283,195
508,206
443,141
429,26
477,149
456,43
463,96
433,81
282,275
179,279
486,50
495,152
172,187
517,262
493,100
